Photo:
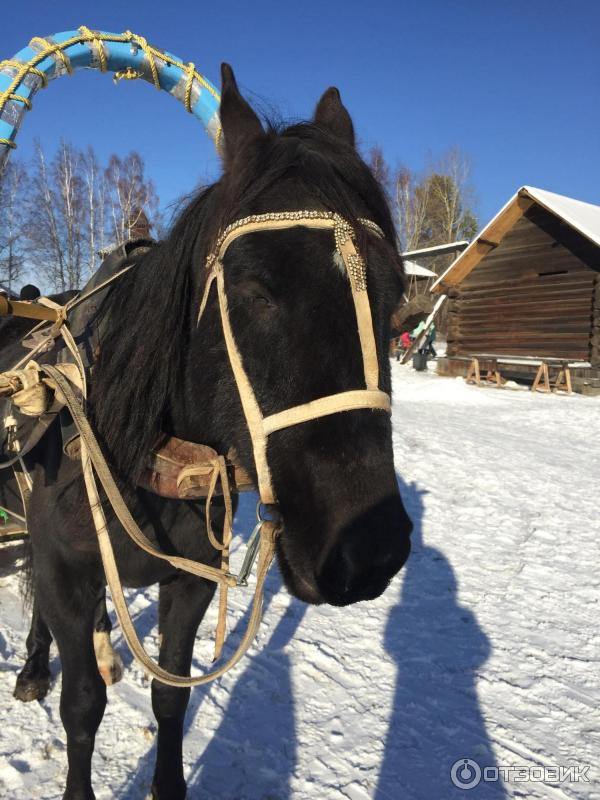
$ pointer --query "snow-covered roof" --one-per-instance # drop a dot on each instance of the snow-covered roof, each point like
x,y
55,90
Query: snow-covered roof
x,y
412,268
436,249
583,217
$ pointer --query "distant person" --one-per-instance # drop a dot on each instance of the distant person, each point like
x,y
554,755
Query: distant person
x,y
429,340
403,342
416,332
29,292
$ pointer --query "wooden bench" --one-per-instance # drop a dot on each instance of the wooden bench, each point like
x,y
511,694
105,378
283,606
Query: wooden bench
x,y
562,382
541,383
492,375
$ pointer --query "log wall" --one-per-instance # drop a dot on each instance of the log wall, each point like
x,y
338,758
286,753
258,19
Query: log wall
x,y
595,339
535,295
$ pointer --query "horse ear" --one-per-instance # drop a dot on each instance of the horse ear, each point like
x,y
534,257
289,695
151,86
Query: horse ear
x,y
239,123
332,115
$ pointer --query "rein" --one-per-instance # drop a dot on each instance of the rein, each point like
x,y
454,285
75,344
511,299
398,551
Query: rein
x,y
205,468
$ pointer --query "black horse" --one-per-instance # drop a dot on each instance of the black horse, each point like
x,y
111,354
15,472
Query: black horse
x,y
346,532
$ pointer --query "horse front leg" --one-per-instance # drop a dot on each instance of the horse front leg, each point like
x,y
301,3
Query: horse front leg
x,y
33,682
182,605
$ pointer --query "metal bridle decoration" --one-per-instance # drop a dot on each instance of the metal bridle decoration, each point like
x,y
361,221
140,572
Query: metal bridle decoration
x,y
372,397
127,55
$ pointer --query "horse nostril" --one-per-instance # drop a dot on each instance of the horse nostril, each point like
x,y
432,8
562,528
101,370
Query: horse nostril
x,y
367,555
335,577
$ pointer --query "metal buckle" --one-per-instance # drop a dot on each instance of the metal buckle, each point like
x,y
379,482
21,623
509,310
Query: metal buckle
x,y
264,513
12,442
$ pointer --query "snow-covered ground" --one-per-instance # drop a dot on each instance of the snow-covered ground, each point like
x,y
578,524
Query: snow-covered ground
x,y
486,648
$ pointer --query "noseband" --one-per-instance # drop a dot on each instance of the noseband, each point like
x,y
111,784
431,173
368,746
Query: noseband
x,y
259,426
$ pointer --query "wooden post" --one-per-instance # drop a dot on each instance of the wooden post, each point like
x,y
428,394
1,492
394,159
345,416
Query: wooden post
x,y
19,308
563,379
417,342
542,373
493,374
473,375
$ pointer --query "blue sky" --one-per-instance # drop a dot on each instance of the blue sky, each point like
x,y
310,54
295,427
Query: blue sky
x,y
516,85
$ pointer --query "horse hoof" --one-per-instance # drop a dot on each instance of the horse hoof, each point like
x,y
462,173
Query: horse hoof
x,y
111,671
109,663
29,689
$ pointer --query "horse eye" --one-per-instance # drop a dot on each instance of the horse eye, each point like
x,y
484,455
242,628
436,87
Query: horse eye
x,y
262,301
255,293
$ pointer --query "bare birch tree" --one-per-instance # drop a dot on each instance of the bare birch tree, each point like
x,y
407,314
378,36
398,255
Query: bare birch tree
x,y
411,205
74,210
95,202
13,185
46,250
130,195
56,212
71,193
380,168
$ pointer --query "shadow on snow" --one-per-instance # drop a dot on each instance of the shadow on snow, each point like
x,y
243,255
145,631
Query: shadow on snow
x,y
257,733
438,648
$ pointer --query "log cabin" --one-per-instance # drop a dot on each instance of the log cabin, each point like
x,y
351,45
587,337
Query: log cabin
x,y
527,291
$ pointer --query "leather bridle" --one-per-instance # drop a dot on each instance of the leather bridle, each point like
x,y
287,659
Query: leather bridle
x,y
259,426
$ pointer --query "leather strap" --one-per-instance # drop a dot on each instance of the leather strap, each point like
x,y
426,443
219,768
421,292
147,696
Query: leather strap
x,y
94,455
252,412
184,470
344,401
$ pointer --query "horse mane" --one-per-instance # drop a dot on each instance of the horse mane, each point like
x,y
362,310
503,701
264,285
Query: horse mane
x,y
147,317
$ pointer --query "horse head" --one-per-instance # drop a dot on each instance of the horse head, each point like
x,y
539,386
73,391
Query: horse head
x,y
292,314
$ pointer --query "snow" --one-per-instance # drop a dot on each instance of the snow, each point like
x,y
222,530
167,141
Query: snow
x,y
486,647
584,217
412,268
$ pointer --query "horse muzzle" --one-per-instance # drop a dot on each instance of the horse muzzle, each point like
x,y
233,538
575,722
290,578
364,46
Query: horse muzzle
x,y
366,553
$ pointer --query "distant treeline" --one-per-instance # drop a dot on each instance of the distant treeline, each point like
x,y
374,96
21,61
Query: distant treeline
x,y
432,207
58,213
